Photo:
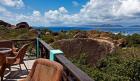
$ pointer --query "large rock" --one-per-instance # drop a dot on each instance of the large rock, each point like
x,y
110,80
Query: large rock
x,y
5,24
23,25
47,33
81,35
120,42
34,31
97,34
94,49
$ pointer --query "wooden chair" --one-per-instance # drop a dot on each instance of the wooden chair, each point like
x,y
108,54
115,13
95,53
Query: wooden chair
x,y
2,66
8,44
18,59
45,70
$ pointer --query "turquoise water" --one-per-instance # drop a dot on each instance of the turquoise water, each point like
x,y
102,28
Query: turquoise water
x,y
124,30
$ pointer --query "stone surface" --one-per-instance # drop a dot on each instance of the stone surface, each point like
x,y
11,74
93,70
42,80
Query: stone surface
x,y
81,35
5,24
47,33
23,25
95,49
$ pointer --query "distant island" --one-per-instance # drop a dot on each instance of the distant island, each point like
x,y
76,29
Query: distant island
x,y
134,26
104,25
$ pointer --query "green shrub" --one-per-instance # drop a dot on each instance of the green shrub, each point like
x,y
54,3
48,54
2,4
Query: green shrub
x,y
133,40
48,38
114,67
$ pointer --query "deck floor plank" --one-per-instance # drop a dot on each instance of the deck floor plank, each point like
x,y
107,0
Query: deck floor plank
x,y
16,73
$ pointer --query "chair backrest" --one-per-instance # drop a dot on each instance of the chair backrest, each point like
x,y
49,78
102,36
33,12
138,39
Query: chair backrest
x,y
45,70
21,53
6,44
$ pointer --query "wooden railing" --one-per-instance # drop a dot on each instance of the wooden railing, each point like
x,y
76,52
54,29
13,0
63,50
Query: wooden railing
x,y
71,72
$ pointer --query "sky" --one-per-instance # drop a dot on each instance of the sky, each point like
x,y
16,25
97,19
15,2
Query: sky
x,y
70,12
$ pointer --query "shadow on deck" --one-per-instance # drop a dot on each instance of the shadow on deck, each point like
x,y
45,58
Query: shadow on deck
x,y
17,74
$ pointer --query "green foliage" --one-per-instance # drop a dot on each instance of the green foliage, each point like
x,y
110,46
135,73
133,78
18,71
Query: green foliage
x,y
48,38
9,34
80,60
54,36
62,35
133,40
114,67
117,36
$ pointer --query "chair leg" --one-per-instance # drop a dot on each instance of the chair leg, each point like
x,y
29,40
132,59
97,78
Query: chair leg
x,y
1,78
25,66
9,67
20,67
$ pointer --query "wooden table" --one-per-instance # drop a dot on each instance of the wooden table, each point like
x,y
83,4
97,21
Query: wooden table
x,y
3,53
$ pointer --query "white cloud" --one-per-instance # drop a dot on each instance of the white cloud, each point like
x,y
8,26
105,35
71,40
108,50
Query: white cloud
x,y
75,3
127,8
62,10
108,10
54,13
36,13
94,11
55,16
12,3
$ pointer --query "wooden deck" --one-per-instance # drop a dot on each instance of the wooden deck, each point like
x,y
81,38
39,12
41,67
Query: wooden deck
x,y
17,74
42,50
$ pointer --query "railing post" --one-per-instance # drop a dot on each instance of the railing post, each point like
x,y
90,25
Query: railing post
x,y
53,53
37,48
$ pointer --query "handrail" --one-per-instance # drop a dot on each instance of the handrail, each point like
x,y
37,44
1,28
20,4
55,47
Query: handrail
x,y
19,40
72,73
45,44
23,39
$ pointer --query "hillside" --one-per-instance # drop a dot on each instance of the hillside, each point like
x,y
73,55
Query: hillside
x,y
21,31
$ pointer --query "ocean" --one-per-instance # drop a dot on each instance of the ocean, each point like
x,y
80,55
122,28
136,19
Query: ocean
x,y
123,30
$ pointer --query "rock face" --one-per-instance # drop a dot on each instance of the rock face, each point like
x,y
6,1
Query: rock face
x,y
18,26
33,31
94,49
47,33
120,42
101,35
81,35
5,24
22,25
